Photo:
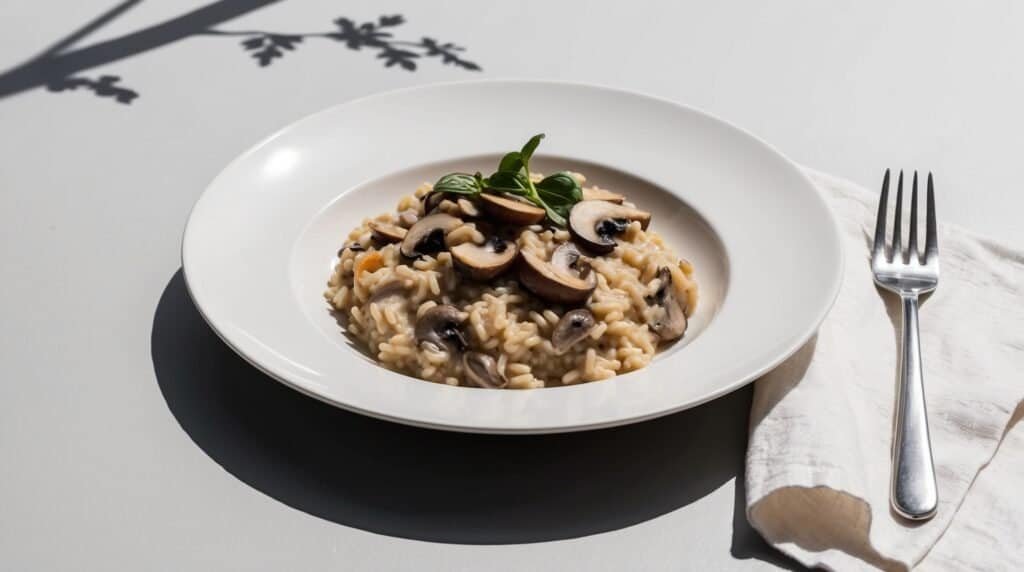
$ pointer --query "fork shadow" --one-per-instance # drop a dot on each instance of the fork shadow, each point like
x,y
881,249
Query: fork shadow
x,y
433,485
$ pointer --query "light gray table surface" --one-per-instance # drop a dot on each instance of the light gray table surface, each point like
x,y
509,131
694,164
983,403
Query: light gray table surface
x,y
132,439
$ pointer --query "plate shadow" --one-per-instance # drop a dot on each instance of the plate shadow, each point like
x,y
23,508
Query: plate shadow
x,y
432,485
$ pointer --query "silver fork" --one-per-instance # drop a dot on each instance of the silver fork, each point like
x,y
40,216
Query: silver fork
x,y
906,272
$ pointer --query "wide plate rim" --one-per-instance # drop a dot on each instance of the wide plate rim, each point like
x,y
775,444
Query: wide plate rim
x,y
812,326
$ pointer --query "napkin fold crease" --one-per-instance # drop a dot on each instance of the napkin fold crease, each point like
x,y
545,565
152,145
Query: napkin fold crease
x,y
818,462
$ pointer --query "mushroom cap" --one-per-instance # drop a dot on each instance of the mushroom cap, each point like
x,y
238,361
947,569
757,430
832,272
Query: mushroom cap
x,y
511,211
431,200
387,232
598,194
571,328
487,260
669,316
428,234
441,327
559,281
482,370
596,223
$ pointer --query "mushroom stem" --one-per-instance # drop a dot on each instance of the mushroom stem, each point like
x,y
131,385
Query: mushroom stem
x,y
481,370
669,316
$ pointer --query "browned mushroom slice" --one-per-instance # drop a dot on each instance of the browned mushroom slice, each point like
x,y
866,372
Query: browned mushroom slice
x,y
564,280
597,194
484,261
511,211
440,328
431,200
482,371
596,223
573,327
428,234
353,246
669,316
387,232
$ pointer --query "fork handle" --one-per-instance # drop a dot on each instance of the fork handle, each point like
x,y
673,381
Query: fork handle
x,y
914,493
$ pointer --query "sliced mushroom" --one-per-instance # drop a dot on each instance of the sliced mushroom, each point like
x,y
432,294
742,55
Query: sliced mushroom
x,y
510,210
427,235
596,223
669,316
488,228
484,261
387,232
353,246
567,255
573,327
565,280
441,328
431,200
598,194
482,371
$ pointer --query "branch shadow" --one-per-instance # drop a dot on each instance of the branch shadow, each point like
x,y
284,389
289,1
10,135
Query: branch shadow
x,y
57,66
433,485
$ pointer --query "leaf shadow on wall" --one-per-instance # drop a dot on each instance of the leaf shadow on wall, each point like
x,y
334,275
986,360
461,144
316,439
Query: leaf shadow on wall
x,y
63,68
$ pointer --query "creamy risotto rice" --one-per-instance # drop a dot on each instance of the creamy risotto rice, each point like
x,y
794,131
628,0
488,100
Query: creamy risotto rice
x,y
517,305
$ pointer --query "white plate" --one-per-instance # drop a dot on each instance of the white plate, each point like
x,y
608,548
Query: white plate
x,y
261,241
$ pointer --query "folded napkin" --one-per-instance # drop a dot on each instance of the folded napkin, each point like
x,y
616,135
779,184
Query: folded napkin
x,y
818,462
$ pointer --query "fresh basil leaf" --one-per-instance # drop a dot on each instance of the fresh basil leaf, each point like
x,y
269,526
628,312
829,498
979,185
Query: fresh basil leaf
x,y
458,183
511,162
556,194
529,148
508,182
555,200
556,216
560,188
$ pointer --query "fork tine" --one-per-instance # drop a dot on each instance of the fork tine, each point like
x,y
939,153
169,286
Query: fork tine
x,y
912,254
931,239
897,247
878,251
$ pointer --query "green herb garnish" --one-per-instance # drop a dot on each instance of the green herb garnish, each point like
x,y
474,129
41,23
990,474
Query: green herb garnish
x,y
556,194
459,184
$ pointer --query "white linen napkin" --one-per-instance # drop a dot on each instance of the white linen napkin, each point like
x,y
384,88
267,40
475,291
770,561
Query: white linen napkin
x,y
818,462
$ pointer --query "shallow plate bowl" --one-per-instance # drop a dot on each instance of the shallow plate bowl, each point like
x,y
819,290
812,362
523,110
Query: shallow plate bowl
x,y
261,241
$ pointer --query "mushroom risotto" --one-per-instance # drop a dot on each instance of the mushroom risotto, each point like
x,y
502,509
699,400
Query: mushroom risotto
x,y
511,281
